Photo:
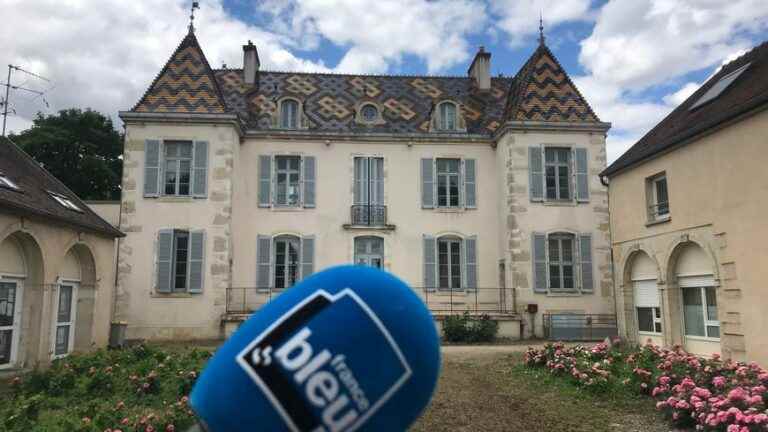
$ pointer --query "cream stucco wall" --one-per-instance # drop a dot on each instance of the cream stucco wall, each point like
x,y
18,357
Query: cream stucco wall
x,y
717,187
39,254
524,217
174,316
107,210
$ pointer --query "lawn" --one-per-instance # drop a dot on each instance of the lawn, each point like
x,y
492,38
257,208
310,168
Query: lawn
x,y
496,393
482,389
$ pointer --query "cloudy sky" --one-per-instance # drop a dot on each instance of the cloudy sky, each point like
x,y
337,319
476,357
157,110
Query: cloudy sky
x,y
633,59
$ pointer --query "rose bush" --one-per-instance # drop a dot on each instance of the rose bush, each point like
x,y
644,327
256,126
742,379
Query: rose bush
x,y
137,389
708,394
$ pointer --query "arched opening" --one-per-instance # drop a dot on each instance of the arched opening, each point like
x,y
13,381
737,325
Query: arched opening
x,y
74,300
643,277
21,294
447,120
695,298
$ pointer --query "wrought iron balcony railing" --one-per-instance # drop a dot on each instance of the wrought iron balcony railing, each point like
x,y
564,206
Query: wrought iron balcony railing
x,y
369,215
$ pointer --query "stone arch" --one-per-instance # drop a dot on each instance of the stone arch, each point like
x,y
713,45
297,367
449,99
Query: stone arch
x,y
629,271
22,264
81,255
675,250
626,264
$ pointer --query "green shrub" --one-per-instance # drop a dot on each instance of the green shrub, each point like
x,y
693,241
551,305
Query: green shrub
x,y
464,328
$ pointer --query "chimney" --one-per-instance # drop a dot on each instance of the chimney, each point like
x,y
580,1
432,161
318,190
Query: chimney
x,y
250,63
480,69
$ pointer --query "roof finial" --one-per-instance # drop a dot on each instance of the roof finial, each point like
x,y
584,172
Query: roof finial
x,y
541,28
195,5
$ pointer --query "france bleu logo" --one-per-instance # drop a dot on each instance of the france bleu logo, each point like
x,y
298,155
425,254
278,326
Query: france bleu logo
x,y
327,364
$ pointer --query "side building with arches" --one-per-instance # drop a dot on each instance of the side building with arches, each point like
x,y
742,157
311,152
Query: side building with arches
x,y
689,238
57,268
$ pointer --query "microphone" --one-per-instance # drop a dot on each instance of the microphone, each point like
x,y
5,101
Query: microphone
x,y
349,348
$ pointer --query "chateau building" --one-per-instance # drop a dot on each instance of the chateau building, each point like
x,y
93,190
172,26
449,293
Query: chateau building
x,y
480,192
688,219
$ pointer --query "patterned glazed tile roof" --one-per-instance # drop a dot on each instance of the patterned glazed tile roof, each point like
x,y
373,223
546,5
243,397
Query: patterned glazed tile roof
x,y
185,85
540,91
747,94
331,101
543,91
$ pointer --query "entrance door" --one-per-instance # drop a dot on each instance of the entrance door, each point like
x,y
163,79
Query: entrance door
x,y
369,251
64,331
10,311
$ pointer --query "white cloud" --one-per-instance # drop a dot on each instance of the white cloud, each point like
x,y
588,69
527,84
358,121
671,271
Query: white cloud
x,y
104,53
681,95
520,18
382,33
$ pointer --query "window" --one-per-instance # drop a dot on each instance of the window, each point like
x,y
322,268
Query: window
x,y
646,295
649,319
368,208
286,181
557,165
66,304
700,312
658,195
178,168
561,262
180,256
447,116
369,113
65,202
449,262
369,251
9,321
180,260
286,261
289,114
7,183
719,87
448,182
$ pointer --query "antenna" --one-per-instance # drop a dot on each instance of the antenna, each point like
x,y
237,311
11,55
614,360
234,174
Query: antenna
x,y
9,86
195,5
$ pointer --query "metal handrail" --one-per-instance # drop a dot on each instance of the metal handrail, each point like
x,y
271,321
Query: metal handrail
x,y
658,210
368,214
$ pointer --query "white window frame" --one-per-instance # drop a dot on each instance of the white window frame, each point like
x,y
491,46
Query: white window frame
x,y
443,122
459,174
450,240
368,257
656,319
556,164
291,123
707,321
178,160
75,284
653,208
276,171
287,238
17,312
574,263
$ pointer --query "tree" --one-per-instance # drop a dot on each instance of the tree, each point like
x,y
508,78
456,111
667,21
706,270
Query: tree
x,y
80,148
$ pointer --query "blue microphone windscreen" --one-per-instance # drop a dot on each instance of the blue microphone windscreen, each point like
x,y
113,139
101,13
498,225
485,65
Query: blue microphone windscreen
x,y
349,348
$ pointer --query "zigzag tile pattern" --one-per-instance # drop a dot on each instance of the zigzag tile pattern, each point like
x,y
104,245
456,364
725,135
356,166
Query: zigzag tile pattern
x,y
544,92
185,85
330,101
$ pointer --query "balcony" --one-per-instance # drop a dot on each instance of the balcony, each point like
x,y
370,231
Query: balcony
x,y
367,216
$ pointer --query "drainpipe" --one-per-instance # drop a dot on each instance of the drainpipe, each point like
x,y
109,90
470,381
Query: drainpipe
x,y
606,182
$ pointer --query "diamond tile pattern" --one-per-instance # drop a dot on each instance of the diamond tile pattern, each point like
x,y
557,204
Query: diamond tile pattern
x,y
185,85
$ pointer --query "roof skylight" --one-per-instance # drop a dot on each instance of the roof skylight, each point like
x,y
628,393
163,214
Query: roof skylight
x,y
7,183
719,87
65,202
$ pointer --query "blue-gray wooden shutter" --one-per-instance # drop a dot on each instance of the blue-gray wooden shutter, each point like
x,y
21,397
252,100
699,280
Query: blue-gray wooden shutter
x,y
582,175
377,181
470,188
430,263
309,181
427,183
200,164
539,246
307,256
585,260
470,263
164,260
265,181
196,261
263,262
361,181
536,170
151,168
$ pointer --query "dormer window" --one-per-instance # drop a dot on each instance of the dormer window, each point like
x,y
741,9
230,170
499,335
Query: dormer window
x,y
447,116
289,114
7,183
65,202
369,113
